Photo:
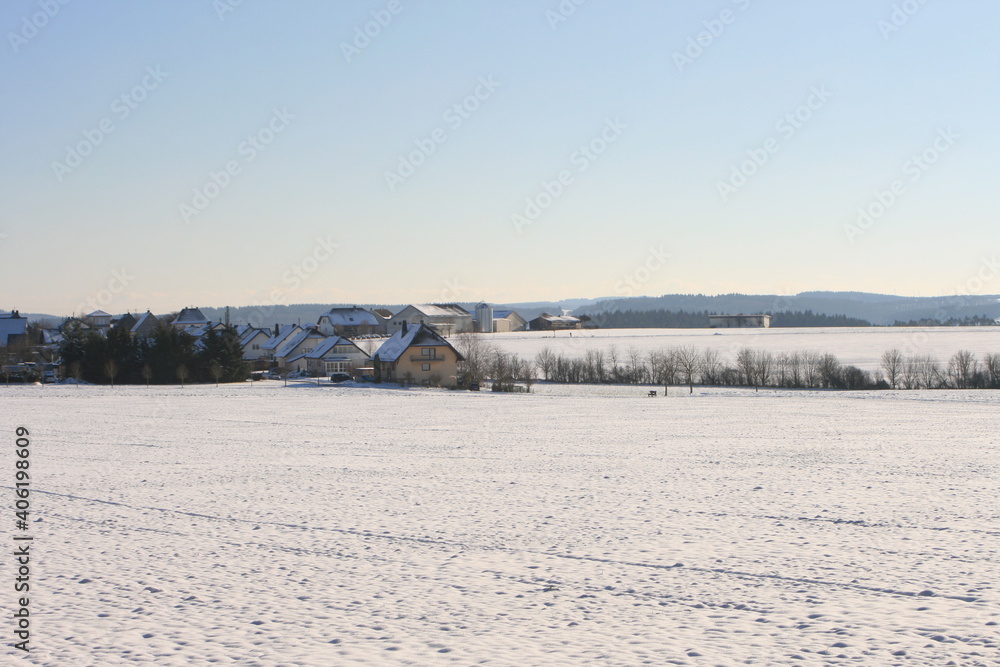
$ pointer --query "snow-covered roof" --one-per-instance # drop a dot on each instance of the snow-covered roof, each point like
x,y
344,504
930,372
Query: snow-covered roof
x,y
504,314
323,348
295,340
350,317
146,319
99,313
284,331
566,319
442,310
399,342
249,333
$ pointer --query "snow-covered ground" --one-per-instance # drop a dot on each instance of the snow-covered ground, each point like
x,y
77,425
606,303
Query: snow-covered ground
x,y
304,525
862,347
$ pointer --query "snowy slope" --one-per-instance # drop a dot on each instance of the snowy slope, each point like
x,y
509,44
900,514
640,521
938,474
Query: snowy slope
x,y
309,525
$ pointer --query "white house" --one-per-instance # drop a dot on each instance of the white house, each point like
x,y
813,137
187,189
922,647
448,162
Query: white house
x,y
335,355
282,334
291,353
252,340
348,322
445,318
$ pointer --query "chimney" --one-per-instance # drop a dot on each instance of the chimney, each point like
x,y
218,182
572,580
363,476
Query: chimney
x,y
276,331
404,327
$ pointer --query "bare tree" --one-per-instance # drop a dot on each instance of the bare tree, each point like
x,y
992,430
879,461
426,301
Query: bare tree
x,y
478,352
182,373
216,369
910,374
746,362
892,364
147,373
111,370
991,362
688,361
546,362
710,366
962,369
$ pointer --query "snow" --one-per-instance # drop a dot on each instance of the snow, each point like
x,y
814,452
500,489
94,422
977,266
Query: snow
x,y
862,347
329,525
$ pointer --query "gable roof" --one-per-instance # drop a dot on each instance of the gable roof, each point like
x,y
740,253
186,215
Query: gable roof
x,y
331,342
191,316
350,317
399,342
284,331
249,333
295,340
147,319
98,313
441,310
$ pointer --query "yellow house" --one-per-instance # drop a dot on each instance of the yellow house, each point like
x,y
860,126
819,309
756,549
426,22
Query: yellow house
x,y
419,355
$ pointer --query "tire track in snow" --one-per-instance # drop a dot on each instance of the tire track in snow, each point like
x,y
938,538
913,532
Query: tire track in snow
x,y
594,559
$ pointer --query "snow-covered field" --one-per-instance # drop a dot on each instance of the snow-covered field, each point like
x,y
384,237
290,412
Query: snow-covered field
x,y
304,525
862,347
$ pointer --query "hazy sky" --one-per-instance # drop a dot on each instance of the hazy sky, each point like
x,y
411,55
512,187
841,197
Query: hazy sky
x,y
183,152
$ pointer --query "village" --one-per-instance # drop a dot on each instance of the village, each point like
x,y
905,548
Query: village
x,y
410,346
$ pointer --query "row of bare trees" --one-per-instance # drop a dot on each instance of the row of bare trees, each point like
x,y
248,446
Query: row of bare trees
x,y
962,371
686,365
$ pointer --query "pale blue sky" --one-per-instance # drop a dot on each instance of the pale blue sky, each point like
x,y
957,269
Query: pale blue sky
x,y
445,232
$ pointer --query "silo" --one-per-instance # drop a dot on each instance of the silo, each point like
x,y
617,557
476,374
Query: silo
x,y
484,318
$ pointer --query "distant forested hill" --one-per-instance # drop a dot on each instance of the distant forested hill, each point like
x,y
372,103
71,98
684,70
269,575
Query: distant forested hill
x,y
680,319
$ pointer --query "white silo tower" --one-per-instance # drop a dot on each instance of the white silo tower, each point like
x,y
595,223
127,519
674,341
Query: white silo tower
x,y
484,318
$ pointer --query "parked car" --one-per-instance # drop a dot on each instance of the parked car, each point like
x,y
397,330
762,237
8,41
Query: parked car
x,y
273,374
340,377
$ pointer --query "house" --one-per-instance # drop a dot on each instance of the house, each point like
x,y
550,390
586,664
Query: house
x,y
417,354
282,333
98,320
252,340
13,328
190,318
547,322
126,321
348,322
335,355
445,318
508,320
145,325
738,321
291,353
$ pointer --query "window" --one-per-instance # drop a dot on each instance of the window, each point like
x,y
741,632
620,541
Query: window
x,y
425,367
337,367
427,352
